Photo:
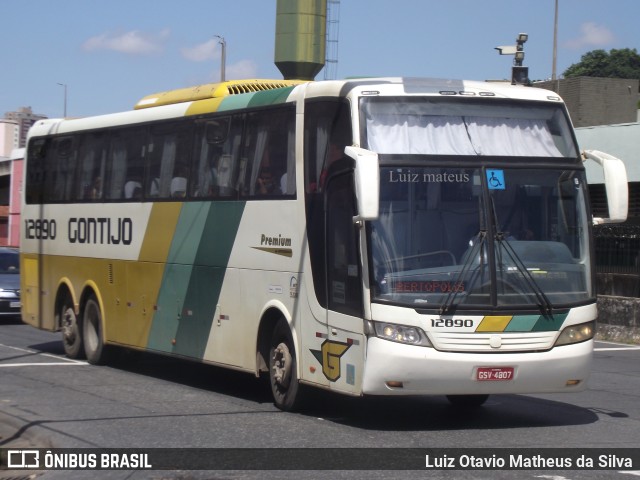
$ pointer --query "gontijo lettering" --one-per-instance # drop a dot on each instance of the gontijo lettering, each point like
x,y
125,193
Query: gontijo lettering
x,y
100,230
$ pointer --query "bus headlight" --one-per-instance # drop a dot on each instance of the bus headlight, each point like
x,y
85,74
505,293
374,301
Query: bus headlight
x,y
401,334
577,333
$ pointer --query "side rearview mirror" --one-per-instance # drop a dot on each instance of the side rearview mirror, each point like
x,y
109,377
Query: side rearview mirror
x,y
367,180
616,186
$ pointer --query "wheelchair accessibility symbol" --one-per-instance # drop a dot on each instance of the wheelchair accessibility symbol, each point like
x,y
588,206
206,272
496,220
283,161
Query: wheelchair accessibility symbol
x,y
495,179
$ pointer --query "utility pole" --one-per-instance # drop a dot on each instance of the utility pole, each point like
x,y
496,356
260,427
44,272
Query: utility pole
x,y
223,56
65,98
555,43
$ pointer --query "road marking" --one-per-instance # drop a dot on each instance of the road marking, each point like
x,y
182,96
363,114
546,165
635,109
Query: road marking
x,y
614,349
619,346
631,472
41,364
65,361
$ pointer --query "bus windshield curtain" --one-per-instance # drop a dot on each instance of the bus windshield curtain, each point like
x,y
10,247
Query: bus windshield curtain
x,y
456,135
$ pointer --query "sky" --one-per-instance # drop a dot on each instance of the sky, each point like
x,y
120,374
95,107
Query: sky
x,y
111,53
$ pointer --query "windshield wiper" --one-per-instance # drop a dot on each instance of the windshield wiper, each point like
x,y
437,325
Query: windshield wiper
x,y
500,238
478,244
543,300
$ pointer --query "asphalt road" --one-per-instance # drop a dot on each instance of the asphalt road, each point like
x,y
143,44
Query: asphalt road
x,y
148,401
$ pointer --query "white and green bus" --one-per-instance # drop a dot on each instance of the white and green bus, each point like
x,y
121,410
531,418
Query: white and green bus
x,y
384,236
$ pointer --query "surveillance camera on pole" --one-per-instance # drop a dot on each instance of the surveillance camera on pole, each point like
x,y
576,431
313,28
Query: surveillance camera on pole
x,y
507,50
519,74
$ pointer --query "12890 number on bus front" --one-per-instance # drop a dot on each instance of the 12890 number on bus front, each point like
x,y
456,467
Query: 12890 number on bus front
x,y
494,374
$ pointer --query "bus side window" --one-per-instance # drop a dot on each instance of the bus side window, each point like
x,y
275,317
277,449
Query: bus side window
x,y
327,132
168,159
269,150
216,146
344,280
60,170
92,165
126,157
204,171
36,170
157,148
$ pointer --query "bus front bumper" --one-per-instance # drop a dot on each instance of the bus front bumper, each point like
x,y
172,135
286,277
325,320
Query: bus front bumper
x,y
399,369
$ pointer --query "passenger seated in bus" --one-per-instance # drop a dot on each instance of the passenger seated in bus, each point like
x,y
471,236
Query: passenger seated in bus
x,y
265,184
178,188
154,189
133,189
335,152
283,183
207,182
95,191
224,184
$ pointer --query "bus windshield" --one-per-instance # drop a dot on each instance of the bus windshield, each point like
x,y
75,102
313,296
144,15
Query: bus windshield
x,y
431,126
463,237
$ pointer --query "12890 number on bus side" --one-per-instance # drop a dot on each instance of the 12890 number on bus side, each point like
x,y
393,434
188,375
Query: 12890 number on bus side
x,y
451,323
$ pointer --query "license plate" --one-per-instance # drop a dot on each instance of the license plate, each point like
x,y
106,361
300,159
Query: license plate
x,y
14,304
494,374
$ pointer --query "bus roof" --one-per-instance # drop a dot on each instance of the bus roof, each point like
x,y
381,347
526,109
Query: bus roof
x,y
429,86
212,90
255,92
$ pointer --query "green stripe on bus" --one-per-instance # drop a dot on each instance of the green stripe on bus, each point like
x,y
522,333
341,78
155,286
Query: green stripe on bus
x,y
270,97
256,99
193,277
522,323
235,102
549,323
177,274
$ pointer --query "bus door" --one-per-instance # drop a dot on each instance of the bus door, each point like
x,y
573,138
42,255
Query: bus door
x,y
343,351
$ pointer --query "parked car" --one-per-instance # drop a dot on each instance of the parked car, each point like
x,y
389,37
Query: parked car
x,y
9,282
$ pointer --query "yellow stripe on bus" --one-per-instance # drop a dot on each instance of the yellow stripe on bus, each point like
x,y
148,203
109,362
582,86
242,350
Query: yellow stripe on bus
x,y
159,233
494,323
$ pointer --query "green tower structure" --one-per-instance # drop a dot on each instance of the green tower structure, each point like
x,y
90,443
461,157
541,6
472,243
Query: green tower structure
x,y
300,38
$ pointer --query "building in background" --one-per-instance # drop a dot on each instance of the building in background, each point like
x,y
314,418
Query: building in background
x,y
24,117
13,138
10,187
597,101
9,137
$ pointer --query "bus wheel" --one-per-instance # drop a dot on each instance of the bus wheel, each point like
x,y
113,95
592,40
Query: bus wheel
x,y
94,346
71,329
467,401
283,375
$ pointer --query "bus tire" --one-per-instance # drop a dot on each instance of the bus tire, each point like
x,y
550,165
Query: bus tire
x,y
467,401
71,328
283,375
93,335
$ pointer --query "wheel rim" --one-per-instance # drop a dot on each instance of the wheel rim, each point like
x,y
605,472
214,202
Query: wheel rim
x,y
281,366
93,323
69,326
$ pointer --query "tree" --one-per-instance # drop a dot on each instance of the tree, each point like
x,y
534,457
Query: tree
x,y
623,63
